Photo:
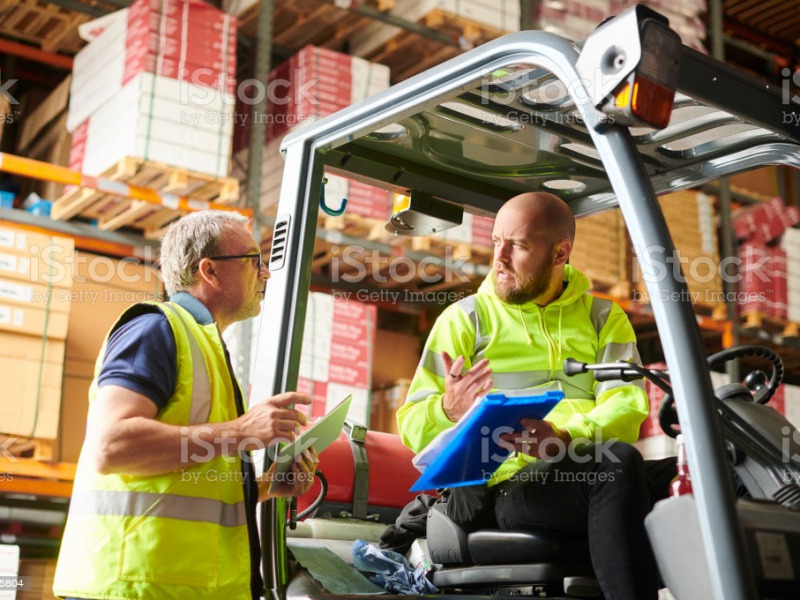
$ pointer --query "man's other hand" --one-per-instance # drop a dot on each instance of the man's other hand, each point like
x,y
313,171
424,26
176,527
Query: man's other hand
x,y
462,389
538,438
295,482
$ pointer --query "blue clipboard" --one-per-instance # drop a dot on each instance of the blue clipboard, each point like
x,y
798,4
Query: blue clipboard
x,y
471,453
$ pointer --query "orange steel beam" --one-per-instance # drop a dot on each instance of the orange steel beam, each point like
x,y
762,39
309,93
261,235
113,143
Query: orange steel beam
x,y
32,53
27,167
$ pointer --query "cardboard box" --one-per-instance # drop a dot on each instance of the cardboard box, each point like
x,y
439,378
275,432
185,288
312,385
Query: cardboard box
x,y
38,257
78,377
34,391
33,321
104,287
28,347
34,294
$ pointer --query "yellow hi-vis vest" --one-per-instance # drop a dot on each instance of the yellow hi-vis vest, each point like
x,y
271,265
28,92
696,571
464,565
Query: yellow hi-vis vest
x,y
178,535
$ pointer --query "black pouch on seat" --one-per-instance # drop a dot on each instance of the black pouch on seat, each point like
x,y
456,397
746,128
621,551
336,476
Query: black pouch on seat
x,y
471,507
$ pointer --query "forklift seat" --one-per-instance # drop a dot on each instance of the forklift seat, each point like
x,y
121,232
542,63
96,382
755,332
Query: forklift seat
x,y
530,562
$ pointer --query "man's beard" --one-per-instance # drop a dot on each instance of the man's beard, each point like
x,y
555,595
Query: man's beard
x,y
524,288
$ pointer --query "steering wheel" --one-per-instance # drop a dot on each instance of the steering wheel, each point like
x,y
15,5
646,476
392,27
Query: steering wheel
x,y
668,416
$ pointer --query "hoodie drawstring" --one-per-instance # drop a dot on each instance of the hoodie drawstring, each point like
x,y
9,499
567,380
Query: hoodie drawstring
x,y
525,325
554,346
560,358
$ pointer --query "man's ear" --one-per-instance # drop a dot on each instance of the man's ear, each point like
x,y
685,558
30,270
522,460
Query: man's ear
x,y
562,251
207,271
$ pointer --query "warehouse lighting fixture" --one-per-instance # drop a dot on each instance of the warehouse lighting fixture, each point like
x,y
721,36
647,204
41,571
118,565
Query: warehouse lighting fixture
x,y
418,214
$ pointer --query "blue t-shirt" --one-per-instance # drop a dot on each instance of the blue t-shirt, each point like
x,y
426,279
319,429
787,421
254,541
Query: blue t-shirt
x,y
141,356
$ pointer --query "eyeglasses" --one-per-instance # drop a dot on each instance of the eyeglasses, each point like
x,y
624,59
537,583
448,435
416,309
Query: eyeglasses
x,y
256,255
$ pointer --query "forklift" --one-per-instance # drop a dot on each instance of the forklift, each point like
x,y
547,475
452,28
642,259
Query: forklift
x,y
627,115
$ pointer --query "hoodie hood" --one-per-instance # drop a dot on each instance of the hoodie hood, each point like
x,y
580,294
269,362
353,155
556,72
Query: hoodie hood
x,y
577,285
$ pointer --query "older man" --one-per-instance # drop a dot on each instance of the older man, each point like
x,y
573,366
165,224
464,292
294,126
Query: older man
x,y
164,497
532,312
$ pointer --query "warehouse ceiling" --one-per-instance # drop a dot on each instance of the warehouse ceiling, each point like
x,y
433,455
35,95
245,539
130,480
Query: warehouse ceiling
x,y
772,24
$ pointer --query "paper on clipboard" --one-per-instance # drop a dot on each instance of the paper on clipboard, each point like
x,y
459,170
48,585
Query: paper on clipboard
x,y
465,454
319,436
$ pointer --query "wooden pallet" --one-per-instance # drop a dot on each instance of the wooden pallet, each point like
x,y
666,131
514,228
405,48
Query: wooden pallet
x,y
26,447
43,23
297,23
470,33
757,323
407,54
355,226
113,212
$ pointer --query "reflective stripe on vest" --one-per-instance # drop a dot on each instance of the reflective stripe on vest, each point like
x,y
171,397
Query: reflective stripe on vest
x,y
148,504
469,306
201,384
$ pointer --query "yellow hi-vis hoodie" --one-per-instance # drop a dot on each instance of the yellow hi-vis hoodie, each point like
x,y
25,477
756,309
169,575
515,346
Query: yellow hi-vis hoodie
x,y
526,346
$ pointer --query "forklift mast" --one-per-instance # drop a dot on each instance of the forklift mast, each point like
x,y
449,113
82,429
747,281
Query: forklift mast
x,y
628,116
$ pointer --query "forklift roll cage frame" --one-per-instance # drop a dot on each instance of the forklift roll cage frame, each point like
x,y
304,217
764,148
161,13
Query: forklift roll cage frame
x,y
516,115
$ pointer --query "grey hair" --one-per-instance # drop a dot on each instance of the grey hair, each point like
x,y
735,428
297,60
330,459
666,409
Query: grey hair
x,y
189,239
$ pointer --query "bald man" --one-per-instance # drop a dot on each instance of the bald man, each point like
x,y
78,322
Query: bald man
x,y
575,470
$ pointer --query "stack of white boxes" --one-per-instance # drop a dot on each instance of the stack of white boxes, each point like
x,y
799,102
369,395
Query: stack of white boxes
x,y
336,357
312,84
9,567
156,82
790,243
336,360
500,15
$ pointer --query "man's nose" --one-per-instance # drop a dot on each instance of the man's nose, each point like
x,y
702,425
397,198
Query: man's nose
x,y
501,252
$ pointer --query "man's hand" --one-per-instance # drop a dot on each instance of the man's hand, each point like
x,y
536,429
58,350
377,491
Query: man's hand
x,y
539,438
294,483
462,389
272,420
